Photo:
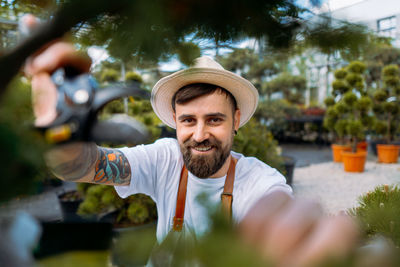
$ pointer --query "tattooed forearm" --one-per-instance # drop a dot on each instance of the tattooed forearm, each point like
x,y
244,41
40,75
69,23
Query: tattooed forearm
x,y
112,167
80,166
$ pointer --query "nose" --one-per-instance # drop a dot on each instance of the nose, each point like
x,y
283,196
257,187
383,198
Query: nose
x,y
200,133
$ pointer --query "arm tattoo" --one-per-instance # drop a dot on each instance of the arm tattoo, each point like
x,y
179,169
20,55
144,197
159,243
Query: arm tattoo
x,y
111,166
80,166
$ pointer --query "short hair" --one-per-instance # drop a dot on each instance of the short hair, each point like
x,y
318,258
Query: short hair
x,y
195,90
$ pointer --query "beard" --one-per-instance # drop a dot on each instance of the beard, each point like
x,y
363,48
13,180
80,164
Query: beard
x,y
203,166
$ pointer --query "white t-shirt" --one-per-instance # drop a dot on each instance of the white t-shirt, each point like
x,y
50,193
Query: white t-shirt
x,y
156,170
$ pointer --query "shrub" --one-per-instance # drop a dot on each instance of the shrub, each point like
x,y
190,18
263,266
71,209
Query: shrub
x,y
21,159
109,75
379,212
133,76
101,199
255,140
274,113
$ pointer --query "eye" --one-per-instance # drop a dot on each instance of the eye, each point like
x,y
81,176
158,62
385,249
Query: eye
x,y
215,120
187,120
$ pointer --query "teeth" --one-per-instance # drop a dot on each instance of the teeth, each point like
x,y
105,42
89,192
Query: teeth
x,y
202,148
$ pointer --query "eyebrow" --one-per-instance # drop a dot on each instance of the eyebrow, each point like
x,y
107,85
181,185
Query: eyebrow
x,y
216,114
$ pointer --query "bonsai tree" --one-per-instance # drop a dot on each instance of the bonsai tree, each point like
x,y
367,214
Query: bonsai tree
x,y
386,103
334,120
275,113
291,86
348,113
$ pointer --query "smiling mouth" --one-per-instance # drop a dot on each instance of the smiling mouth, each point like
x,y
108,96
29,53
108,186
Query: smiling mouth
x,y
202,149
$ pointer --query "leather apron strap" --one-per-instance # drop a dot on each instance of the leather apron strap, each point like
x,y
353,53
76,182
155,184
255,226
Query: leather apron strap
x,y
226,196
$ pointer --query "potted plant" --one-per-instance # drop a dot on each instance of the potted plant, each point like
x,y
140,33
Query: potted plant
x,y
349,114
356,125
386,109
334,119
69,203
102,203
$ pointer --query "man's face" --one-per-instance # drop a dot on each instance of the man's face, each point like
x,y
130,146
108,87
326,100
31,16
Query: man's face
x,y
205,129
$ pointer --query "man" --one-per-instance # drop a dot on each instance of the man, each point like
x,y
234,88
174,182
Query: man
x,y
207,105
206,117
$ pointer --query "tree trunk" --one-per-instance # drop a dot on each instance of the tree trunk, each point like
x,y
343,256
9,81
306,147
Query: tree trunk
x,y
389,135
328,70
123,74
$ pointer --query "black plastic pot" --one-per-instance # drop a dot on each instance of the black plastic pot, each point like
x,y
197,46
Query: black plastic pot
x,y
71,236
69,208
289,163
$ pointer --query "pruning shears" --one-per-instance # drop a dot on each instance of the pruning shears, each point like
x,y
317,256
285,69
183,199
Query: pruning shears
x,y
79,101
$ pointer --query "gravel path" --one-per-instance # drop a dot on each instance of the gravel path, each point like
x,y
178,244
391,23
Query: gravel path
x,y
338,190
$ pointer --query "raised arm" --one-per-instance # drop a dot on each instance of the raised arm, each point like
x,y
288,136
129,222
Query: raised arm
x,y
89,163
78,162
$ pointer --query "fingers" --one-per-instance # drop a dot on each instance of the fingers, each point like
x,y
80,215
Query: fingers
x,y
44,97
288,228
333,238
294,232
55,56
27,23
260,216
42,64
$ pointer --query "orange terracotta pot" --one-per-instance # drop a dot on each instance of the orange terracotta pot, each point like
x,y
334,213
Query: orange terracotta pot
x,y
388,153
354,162
337,151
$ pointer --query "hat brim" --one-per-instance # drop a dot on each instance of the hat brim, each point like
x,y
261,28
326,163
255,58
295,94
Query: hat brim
x,y
245,93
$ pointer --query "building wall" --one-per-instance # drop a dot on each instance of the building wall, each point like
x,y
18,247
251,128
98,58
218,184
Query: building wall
x,y
381,16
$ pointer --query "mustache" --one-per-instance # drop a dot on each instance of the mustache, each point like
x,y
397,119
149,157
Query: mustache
x,y
191,143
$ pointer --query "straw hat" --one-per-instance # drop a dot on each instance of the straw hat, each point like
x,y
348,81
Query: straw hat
x,y
205,70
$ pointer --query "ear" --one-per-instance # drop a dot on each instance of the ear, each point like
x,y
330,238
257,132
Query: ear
x,y
237,119
174,116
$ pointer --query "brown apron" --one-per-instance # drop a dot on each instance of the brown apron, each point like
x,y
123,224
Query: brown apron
x,y
163,254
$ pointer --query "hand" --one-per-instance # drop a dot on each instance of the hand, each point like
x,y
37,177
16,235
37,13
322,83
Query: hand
x,y
40,67
294,232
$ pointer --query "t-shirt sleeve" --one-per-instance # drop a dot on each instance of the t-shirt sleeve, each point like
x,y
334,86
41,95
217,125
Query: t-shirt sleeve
x,y
150,164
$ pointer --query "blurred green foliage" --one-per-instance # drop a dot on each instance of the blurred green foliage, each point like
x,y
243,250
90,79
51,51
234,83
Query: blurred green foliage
x,y
109,76
132,76
379,212
291,86
134,32
76,258
346,37
21,161
255,140
275,113
252,66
